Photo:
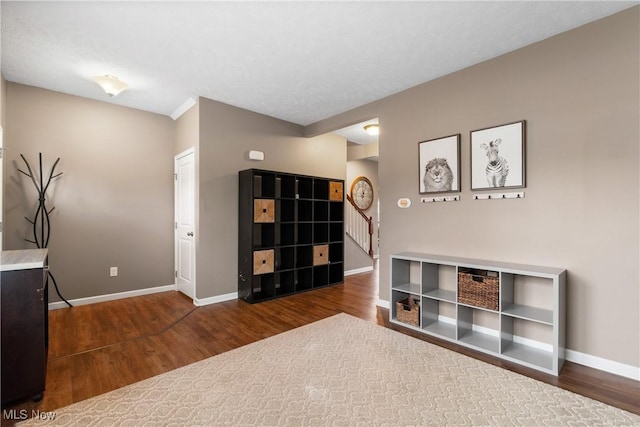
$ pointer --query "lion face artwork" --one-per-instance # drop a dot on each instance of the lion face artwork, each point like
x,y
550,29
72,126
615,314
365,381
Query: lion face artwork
x,y
437,176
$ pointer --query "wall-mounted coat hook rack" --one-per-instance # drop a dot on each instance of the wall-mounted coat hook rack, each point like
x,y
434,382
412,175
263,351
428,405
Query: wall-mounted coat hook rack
x,y
494,196
440,199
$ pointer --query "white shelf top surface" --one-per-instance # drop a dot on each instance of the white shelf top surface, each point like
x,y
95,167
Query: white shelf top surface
x,y
23,259
505,267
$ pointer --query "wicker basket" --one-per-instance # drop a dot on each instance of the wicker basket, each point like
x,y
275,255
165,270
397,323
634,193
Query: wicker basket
x,y
408,311
478,288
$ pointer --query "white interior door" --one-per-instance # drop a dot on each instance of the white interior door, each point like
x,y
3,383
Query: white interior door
x,y
185,247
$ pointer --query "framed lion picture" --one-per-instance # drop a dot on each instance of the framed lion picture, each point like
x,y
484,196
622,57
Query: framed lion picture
x,y
439,165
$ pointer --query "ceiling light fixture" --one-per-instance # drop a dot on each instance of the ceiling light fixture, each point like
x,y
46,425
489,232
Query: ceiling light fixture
x,y
372,129
110,84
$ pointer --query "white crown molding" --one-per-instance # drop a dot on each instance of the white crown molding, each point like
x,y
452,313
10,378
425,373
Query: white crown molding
x,y
183,108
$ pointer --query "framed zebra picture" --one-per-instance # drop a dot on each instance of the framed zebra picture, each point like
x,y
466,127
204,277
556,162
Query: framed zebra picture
x,y
498,157
439,165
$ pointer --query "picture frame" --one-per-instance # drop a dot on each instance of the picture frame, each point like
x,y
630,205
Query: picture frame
x,y
439,165
498,158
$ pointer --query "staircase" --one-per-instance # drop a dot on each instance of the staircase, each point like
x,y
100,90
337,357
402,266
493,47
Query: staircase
x,y
359,226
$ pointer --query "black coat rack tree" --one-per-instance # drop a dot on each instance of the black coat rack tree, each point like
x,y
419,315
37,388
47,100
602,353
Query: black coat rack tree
x,y
41,224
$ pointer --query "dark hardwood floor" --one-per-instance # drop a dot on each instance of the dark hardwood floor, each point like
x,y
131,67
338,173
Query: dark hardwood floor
x,y
100,347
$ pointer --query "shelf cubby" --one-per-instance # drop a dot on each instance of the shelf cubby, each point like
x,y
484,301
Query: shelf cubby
x,y
304,279
305,188
286,235
336,272
305,233
264,235
320,210
336,252
320,232
527,342
264,185
336,211
264,285
527,326
474,326
439,318
321,189
286,186
285,210
304,256
405,275
320,276
397,296
285,283
286,258
305,211
526,297
439,281
336,232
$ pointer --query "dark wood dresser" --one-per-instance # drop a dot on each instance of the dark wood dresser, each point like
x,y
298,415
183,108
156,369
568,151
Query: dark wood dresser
x,y
24,323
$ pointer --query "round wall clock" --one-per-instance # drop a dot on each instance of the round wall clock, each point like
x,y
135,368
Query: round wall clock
x,y
362,192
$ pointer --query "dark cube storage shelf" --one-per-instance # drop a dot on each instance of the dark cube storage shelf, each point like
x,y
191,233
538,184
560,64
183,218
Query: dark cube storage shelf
x,y
290,234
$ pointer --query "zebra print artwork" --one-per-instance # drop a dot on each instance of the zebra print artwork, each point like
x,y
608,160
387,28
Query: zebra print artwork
x,y
497,167
498,156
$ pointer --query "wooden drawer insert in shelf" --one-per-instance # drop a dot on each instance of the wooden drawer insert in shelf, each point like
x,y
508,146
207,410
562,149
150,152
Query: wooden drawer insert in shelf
x,y
320,254
335,191
263,262
264,210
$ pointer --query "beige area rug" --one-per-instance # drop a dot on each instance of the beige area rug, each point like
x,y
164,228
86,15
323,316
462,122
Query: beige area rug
x,y
340,371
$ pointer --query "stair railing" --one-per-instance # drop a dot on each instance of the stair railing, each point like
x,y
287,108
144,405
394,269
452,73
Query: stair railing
x,y
359,226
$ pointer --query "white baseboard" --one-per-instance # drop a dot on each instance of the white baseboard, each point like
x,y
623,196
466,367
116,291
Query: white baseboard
x,y
112,297
216,299
383,303
139,292
601,364
358,270
610,366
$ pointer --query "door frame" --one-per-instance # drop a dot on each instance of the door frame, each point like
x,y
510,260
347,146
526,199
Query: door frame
x,y
189,151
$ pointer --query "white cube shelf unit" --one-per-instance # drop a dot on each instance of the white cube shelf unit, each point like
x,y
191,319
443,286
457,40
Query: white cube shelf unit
x,y
528,326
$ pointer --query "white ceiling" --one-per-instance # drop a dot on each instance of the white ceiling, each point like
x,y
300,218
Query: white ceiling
x,y
357,134
297,61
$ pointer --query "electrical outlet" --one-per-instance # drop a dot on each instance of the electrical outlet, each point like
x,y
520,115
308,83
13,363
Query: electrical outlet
x,y
113,271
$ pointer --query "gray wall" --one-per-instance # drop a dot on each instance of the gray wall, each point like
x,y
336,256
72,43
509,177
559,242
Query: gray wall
x,y
187,130
3,101
579,92
226,135
114,201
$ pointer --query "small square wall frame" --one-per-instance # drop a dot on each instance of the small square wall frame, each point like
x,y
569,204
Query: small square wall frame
x,y
527,328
